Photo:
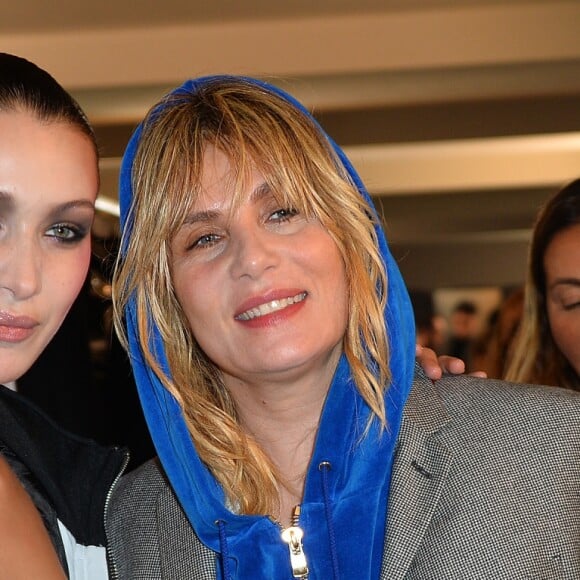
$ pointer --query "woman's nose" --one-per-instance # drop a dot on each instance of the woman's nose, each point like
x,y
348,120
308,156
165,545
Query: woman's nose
x,y
20,268
254,253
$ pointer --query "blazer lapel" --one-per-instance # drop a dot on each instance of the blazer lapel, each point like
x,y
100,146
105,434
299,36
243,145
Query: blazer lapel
x,y
182,555
419,472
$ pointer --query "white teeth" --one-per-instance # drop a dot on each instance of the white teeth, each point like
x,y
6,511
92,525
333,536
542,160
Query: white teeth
x,y
270,307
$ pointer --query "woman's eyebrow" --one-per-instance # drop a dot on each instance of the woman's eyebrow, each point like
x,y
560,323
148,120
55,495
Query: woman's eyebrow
x,y
565,282
73,205
204,216
7,202
260,192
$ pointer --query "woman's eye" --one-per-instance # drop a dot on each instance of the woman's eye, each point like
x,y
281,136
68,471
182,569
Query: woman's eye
x,y
568,297
571,305
67,233
205,241
282,215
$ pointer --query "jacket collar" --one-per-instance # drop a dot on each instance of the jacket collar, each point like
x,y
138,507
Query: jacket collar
x,y
420,471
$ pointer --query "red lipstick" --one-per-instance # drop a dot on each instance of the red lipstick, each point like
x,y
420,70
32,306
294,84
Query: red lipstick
x,y
270,308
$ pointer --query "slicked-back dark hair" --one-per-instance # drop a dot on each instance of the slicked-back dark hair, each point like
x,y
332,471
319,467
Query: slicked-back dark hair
x,y
26,87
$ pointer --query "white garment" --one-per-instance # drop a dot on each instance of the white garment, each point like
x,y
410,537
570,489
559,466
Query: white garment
x,y
84,562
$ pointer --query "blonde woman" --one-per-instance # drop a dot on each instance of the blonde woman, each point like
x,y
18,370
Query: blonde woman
x,y
273,345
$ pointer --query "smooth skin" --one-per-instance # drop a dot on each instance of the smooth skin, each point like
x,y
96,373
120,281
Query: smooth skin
x,y
48,186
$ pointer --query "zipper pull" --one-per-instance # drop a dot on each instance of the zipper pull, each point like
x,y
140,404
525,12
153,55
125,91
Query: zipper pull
x,y
293,535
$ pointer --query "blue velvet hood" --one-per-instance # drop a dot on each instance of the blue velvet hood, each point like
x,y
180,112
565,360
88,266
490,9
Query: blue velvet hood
x,y
344,507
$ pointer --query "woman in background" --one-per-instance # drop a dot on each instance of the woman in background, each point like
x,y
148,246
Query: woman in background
x,y
48,185
547,348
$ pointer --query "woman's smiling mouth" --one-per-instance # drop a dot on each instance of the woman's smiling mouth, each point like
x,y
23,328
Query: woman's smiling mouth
x,y
270,307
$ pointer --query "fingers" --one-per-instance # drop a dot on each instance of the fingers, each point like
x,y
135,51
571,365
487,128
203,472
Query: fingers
x,y
451,364
428,361
434,366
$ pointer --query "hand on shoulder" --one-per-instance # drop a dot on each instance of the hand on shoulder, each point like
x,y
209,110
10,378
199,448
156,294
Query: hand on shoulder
x,y
435,366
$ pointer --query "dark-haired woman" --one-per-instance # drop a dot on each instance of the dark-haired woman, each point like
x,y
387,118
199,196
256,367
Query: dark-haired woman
x,y
53,485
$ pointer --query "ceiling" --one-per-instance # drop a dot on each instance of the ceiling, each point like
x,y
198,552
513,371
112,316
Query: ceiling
x,y
33,15
462,116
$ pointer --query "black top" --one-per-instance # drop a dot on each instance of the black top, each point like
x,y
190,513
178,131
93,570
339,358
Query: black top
x,y
68,477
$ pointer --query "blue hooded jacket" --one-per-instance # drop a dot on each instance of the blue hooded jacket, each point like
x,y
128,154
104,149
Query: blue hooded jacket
x,y
344,507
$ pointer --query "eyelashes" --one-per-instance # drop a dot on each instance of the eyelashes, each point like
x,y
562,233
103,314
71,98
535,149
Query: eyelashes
x,y
283,214
62,233
204,241
67,233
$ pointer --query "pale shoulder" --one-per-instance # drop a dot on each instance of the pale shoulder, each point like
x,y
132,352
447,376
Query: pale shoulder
x,y
27,551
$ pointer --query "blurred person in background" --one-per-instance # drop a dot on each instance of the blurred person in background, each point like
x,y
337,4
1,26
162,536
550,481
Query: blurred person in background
x,y
462,331
547,348
493,351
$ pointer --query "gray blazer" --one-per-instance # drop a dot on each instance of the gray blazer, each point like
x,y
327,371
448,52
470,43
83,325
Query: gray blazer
x,y
485,485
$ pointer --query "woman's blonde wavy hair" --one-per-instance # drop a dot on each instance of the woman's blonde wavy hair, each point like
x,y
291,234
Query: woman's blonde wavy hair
x,y
253,126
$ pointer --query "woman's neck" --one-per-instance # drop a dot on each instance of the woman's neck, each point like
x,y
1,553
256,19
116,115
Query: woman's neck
x,y
283,418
